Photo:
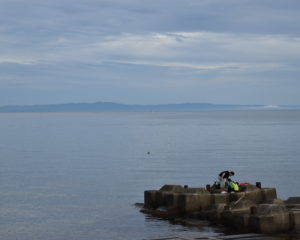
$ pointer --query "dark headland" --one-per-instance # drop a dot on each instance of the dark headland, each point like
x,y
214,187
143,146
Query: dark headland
x,y
117,107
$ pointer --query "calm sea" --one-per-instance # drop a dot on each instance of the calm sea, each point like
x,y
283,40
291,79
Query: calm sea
x,y
78,175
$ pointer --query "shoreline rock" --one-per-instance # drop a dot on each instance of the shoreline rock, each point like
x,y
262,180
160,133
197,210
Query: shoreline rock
x,y
253,210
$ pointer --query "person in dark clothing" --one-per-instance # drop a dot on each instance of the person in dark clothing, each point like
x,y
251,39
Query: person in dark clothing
x,y
223,177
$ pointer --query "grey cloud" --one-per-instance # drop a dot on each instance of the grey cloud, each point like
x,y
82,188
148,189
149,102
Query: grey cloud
x,y
138,16
119,46
33,23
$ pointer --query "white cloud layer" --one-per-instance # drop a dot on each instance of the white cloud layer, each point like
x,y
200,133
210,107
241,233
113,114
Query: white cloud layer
x,y
137,41
196,50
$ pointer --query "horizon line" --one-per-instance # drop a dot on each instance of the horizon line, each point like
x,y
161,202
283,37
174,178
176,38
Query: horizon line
x,y
153,104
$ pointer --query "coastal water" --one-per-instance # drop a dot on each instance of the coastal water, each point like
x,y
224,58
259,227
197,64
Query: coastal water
x,y
78,175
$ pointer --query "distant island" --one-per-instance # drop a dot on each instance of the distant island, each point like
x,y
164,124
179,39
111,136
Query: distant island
x,y
117,107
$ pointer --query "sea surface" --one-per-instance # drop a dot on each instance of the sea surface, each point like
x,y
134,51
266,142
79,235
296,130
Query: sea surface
x,y
78,175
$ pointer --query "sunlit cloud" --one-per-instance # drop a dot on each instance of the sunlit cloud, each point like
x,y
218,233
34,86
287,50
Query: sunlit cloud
x,y
198,45
206,67
205,51
19,60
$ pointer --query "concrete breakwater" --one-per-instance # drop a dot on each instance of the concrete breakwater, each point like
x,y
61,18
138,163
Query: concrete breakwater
x,y
256,209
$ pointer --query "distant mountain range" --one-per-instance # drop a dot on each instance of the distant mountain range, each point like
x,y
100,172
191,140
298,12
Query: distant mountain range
x,y
117,107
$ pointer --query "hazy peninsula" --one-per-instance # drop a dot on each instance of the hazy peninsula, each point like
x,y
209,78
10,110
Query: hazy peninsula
x,y
117,107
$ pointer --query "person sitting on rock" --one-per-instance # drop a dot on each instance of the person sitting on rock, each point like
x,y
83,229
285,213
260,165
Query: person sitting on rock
x,y
223,178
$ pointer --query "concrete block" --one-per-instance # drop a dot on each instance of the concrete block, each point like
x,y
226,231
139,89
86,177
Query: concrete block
x,y
243,205
295,220
255,196
219,206
293,206
282,221
293,200
171,200
262,224
213,215
240,221
270,209
196,190
277,201
159,199
149,199
269,194
270,218
189,202
236,219
235,196
256,209
172,188
220,198
226,217
269,224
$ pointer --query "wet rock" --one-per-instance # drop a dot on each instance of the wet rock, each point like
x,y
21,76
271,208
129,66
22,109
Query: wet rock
x,y
293,200
149,199
277,201
270,218
243,205
269,194
220,198
295,220
172,188
196,190
189,202
255,209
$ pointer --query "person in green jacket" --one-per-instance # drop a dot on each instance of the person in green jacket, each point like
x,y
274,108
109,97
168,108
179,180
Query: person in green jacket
x,y
233,186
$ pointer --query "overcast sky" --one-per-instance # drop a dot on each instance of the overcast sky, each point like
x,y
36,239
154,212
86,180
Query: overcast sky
x,y
150,51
